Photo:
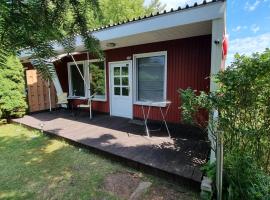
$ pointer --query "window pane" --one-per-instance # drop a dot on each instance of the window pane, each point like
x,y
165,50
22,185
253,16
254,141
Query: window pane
x,y
124,91
125,70
116,71
150,75
77,81
125,81
116,90
116,80
97,79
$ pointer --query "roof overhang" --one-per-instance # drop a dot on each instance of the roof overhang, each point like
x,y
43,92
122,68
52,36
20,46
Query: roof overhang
x,y
189,22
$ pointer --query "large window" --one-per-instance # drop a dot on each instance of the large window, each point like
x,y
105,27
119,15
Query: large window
x,y
97,79
150,72
94,76
77,86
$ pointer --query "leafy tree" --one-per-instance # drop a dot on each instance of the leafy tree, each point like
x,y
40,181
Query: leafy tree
x,y
12,93
97,78
115,11
243,106
35,24
154,6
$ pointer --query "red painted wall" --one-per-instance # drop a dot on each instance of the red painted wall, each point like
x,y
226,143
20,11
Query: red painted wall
x,y
189,62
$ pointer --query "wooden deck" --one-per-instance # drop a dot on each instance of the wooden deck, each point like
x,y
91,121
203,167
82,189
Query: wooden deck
x,y
180,156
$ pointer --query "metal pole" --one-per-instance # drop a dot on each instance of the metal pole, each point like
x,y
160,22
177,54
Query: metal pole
x,y
89,91
219,162
49,94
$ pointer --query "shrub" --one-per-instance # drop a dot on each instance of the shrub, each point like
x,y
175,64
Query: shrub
x,y
12,94
243,179
242,105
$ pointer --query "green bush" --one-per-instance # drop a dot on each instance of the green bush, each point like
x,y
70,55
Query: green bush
x,y
209,169
242,105
243,179
12,90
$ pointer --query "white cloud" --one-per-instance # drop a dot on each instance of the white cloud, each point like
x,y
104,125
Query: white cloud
x,y
236,29
248,45
254,28
252,6
239,28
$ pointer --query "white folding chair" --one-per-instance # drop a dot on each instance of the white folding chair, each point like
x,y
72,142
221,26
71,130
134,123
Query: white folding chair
x,y
88,105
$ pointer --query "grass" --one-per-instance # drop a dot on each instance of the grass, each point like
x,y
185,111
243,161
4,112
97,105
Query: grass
x,y
33,166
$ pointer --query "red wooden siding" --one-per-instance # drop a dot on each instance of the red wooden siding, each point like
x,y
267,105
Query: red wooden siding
x,y
188,65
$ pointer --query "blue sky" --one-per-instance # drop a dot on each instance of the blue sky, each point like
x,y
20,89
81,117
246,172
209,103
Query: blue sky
x,y
248,24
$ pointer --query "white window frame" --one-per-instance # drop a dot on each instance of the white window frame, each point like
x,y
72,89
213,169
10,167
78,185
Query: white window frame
x,y
70,87
87,79
135,84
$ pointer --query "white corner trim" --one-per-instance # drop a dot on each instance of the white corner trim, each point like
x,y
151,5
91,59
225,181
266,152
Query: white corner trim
x,y
218,29
135,82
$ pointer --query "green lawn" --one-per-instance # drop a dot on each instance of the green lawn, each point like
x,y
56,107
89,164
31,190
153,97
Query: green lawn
x,y
33,166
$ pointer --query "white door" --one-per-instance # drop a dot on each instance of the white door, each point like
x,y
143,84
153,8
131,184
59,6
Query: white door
x,y
120,89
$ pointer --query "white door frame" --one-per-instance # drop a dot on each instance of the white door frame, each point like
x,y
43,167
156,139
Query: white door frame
x,y
130,62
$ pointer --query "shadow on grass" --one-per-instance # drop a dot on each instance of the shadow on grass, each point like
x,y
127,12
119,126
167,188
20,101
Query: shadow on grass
x,y
34,167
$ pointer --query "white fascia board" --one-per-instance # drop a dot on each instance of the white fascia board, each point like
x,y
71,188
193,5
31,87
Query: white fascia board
x,y
178,18
202,13
206,12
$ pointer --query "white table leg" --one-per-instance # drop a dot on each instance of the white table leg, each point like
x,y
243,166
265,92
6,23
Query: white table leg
x,y
164,120
145,116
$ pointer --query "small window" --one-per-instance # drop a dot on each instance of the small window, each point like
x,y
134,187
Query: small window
x,y
77,83
150,77
97,80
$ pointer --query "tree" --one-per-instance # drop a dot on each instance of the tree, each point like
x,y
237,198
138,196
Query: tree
x,y
154,6
35,24
114,11
12,90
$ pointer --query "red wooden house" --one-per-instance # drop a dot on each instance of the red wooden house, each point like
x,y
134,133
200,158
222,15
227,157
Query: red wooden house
x,y
146,61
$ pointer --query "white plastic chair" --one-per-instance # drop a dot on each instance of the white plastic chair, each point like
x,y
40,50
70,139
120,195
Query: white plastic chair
x,y
88,105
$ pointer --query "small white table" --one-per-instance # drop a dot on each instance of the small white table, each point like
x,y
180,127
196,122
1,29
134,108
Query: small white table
x,y
146,109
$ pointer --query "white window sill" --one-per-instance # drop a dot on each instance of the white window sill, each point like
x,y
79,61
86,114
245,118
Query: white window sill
x,y
75,97
152,104
85,98
102,100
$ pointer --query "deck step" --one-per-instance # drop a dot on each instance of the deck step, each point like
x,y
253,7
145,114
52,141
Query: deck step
x,y
137,122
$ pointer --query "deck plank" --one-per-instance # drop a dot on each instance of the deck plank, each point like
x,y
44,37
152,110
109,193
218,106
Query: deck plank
x,y
114,135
